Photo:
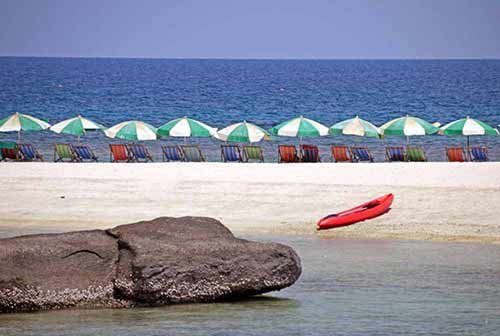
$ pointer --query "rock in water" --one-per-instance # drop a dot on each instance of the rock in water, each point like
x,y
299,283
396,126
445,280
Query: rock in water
x,y
158,262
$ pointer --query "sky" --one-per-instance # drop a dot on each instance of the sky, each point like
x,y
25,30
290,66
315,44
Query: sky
x,y
312,29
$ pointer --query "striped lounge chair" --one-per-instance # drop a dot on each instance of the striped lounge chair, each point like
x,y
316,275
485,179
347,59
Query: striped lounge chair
x,y
28,152
341,154
172,153
9,151
287,153
415,154
361,154
139,153
395,154
478,154
310,153
84,153
455,154
118,153
252,152
64,153
192,153
230,153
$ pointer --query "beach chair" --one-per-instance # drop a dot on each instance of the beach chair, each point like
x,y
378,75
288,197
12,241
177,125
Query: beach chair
x,y
192,153
415,154
455,154
9,151
230,153
118,153
139,153
172,153
252,152
287,153
84,153
478,154
341,154
361,154
64,153
28,152
395,154
309,153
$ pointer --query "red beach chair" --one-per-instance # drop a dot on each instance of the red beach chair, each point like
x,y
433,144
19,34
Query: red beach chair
x,y
118,153
310,153
455,154
287,153
341,154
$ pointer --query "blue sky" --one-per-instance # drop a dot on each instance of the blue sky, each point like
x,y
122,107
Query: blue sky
x,y
251,28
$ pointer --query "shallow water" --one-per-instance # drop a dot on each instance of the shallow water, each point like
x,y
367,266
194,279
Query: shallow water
x,y
348,287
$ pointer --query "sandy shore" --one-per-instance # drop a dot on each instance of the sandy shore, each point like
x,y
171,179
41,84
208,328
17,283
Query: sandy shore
x,y
443,201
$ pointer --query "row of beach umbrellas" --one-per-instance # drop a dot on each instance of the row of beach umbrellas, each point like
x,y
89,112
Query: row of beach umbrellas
x,y
247,132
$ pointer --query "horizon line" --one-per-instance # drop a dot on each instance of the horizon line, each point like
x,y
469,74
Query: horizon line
x,y
268,58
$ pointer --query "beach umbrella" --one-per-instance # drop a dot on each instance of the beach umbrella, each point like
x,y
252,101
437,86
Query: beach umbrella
x,y
76,126
408,126
19,122
355,126
300,127
132,130
242,132
467,127
186,127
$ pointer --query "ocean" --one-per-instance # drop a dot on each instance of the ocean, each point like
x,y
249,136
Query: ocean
x,y
348,287
266,92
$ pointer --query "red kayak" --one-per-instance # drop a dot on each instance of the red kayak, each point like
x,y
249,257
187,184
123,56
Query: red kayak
x,y
360,213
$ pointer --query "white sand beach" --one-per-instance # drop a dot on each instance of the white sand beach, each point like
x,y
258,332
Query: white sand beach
x,y
433,201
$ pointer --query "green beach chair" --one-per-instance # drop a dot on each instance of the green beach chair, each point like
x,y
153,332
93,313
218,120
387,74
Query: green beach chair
x,y
253,152
192,153
415,154
64,153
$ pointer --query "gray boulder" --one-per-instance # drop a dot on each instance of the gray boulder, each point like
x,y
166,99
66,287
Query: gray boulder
x,y
158,262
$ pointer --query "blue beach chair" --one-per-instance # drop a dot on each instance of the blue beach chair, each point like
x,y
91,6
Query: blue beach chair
x,y
230,153
361,154
395,154
192,153
172,153
139,153
84,153
479,154
28,152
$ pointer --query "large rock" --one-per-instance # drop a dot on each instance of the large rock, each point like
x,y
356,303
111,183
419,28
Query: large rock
x,y
163,261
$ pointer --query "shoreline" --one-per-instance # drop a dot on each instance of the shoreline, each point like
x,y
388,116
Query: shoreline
x,y
434,201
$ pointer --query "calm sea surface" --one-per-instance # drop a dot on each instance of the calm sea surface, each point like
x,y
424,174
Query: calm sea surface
x,y
221,92
348,287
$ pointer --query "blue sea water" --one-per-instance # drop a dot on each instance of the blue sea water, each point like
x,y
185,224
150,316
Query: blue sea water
x,y
221,92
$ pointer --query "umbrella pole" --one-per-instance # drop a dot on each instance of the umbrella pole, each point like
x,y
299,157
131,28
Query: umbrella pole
x,y
19,135
468,147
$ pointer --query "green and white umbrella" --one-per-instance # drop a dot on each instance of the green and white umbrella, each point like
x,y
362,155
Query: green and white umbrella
x,y
355,126
76,126
186,127
300,127
467,127
408,126
242,132
132,130
19,122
